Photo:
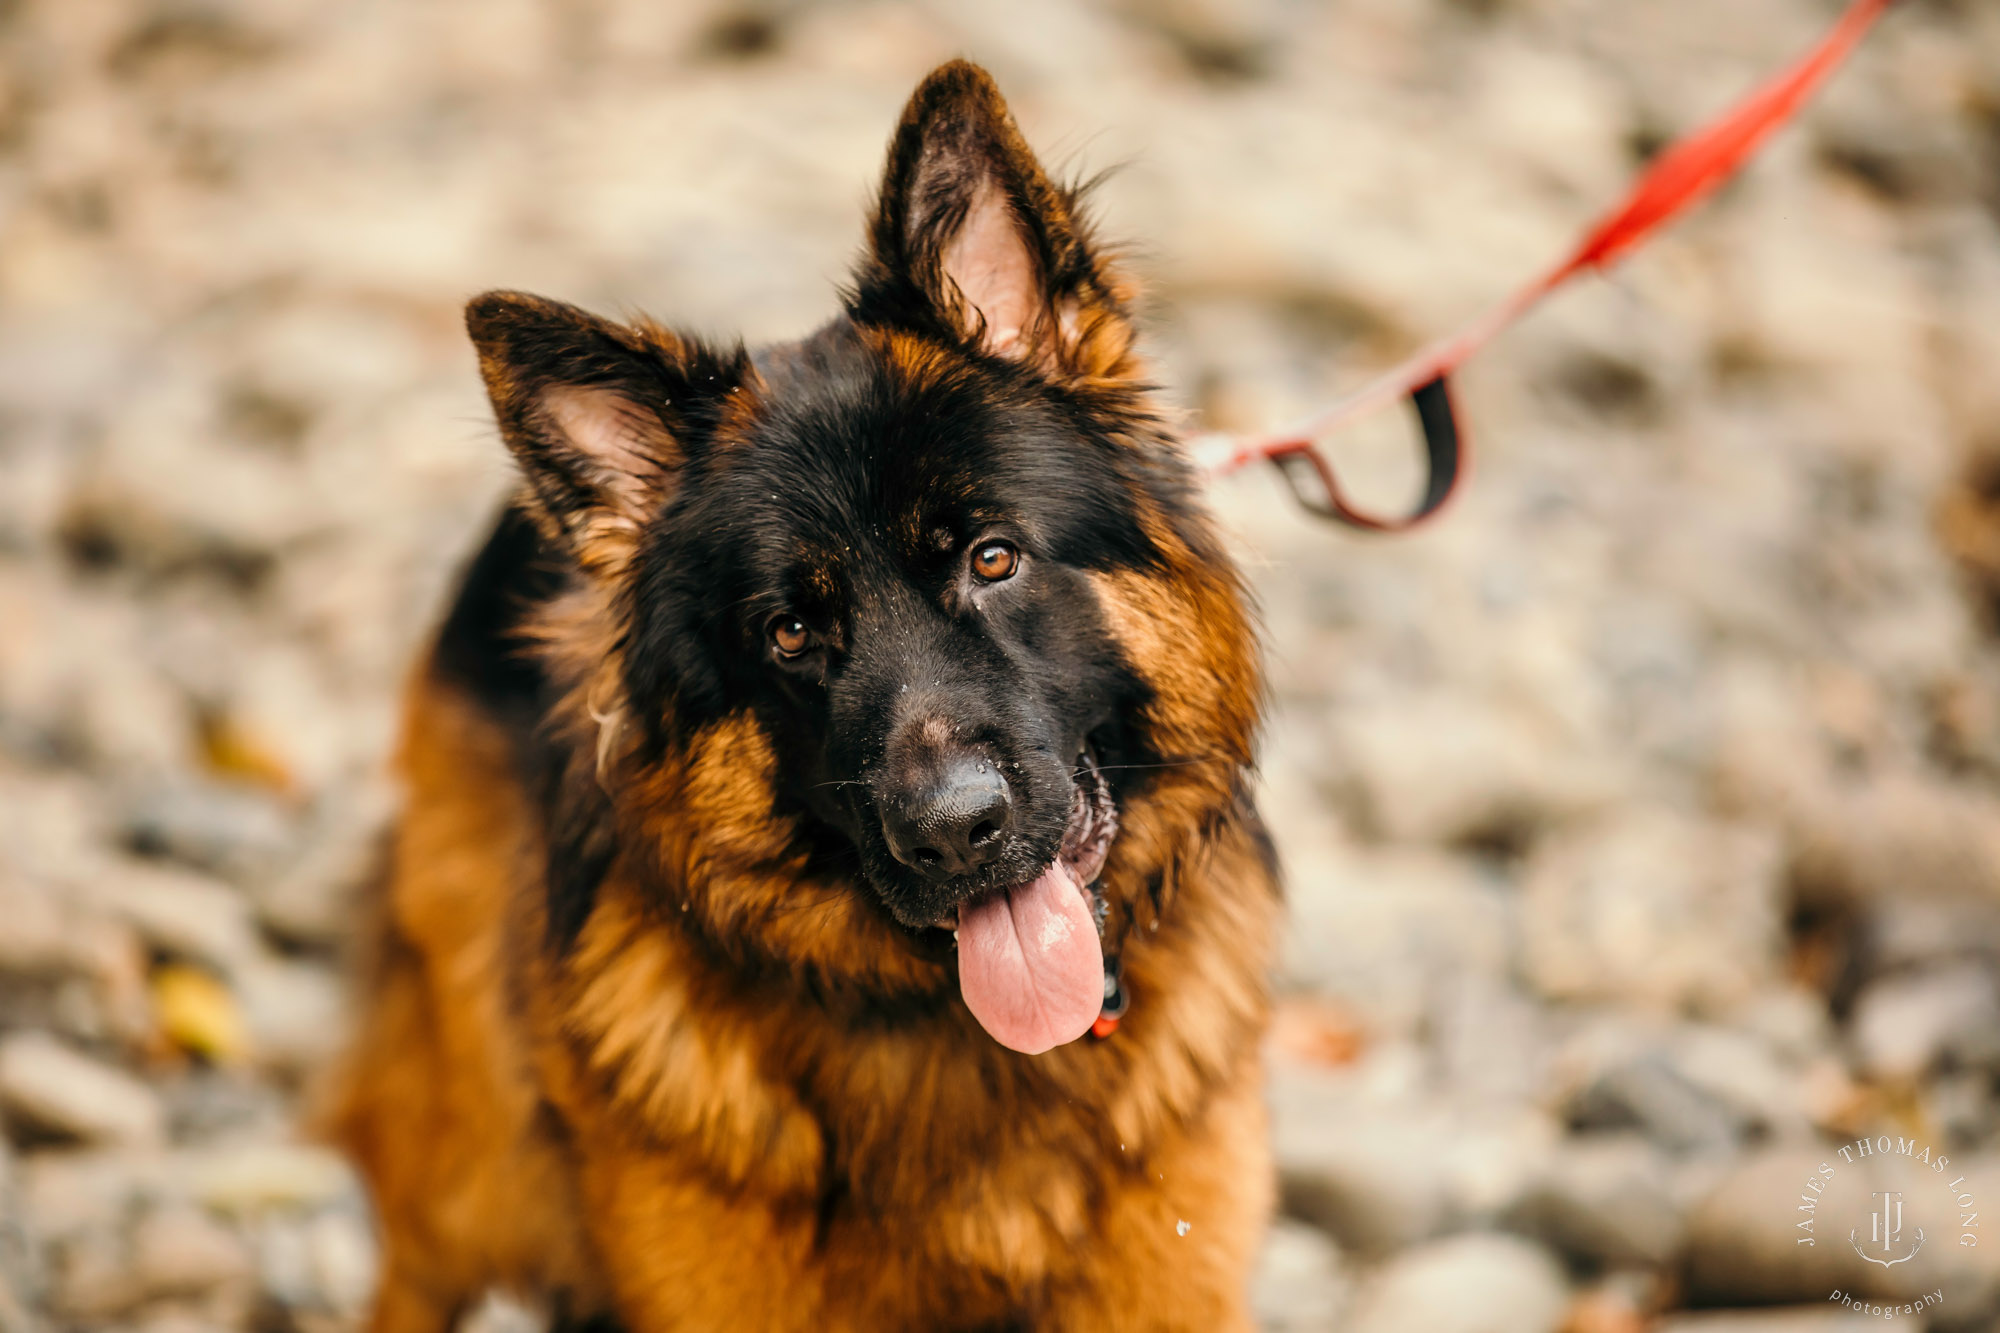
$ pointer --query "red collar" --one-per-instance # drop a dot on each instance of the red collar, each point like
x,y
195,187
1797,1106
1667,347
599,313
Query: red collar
x,y
1116,1001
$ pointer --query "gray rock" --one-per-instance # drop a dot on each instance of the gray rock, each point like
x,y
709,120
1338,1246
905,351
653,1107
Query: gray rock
x,y
178,913
91,1277
49,819
234,831
72,1194
500,1313
223,1106
1220,43
284,1263
1904,1026
242,1179
48,1088
17,1307
98,695
1742,1071
1607,1200
1393,933
177,1317
1373,1178
1743,1237
1493,1041
1897,836
1896,154
48,934
143,508
1439,767
313,901
342,1251
1909,932
323,1261
173,1259
1301,1285
182,1252
70,965
1465,1284
1961,1105
1381,1166
1648,1094
20,1256
1792,1022
1655,908
296,1013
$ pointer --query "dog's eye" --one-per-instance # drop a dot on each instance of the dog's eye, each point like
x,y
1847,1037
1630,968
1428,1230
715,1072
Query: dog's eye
x,y
995,561
790,635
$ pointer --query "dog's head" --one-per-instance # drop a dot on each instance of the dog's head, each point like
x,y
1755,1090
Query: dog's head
x,y
888,632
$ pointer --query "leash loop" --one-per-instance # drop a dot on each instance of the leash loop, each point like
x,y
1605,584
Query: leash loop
x,y
1316,488
1687,171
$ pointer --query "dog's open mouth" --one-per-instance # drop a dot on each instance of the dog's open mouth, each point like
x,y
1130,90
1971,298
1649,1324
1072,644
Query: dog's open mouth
x,y
1030,961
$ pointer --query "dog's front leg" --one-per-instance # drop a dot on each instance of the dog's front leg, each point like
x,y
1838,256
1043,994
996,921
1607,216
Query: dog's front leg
x,y
1176,1242
682,1255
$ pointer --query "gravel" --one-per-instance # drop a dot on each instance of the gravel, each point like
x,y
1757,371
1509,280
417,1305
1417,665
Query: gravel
x,y
1641,818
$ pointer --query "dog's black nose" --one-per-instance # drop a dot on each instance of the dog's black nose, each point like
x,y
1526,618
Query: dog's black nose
x,y
954,823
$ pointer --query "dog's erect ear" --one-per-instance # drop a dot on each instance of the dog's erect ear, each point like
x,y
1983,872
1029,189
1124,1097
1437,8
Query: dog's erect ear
x,y
600,415
971,240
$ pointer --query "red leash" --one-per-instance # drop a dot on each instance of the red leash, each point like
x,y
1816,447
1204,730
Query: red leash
x,y
1683,174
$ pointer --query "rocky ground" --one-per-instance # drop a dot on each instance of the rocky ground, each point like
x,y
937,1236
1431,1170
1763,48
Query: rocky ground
x,y
1642,818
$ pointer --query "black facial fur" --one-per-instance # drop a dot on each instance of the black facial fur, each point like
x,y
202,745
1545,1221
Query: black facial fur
x,y
838,509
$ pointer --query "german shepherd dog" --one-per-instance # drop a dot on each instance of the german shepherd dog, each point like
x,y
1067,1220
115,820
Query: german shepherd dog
x,y
821,737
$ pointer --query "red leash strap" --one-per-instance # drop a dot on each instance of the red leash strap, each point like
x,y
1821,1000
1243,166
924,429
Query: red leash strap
x,y
1688,171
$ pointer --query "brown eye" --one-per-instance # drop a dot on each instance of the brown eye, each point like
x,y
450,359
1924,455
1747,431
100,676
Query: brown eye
x,y
790,635
995,561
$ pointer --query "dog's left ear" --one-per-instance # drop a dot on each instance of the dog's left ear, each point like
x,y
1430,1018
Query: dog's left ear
x,y
971,240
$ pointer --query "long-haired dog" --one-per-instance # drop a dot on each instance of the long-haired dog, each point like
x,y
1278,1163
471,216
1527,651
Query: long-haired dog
x,y
829,745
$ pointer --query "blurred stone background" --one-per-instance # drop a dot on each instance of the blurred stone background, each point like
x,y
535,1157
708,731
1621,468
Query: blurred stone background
x,y
1642,817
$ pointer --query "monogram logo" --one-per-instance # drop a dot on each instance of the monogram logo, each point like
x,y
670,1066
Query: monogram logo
x,y
1885,1232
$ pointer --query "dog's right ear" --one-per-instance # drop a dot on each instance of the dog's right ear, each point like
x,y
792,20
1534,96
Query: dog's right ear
x,y
600,415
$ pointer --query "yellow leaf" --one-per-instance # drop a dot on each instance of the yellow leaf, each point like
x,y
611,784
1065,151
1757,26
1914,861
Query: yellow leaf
x,y
198,1014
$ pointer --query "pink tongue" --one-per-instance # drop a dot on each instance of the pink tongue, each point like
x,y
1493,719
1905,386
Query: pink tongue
x,y
1029,964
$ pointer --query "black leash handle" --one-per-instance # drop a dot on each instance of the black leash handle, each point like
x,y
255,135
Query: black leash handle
x,y
1314,485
